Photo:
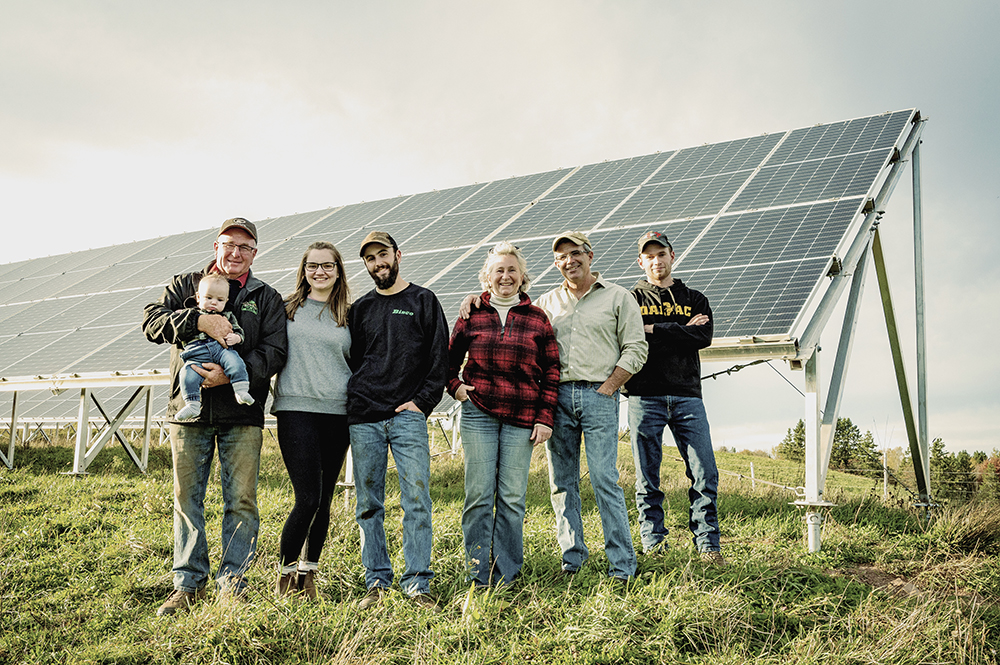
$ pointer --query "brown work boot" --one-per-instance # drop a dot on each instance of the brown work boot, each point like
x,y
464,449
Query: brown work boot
x,y
285,585
307,584
232,598
180,601
373,597
427,602
714,558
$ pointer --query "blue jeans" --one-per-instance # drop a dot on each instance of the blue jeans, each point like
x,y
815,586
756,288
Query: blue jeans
x,y
210,351
239,458
406,435
497,459
686,418
583,410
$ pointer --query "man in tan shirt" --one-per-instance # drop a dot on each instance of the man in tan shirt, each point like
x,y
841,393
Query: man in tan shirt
x,y
601,341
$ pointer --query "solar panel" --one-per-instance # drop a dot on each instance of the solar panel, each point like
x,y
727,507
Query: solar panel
x,y
754,222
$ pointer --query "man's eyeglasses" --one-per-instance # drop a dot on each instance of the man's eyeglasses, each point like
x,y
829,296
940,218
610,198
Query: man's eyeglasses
x,y
575,254
244,249
327,267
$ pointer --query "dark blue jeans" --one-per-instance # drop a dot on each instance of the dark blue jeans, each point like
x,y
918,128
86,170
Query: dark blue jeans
x,y
686,418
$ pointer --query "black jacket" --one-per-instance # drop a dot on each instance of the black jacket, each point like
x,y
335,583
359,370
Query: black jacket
x,y
673,366
261,313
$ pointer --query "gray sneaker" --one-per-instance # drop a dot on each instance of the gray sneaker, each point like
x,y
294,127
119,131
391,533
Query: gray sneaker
x,y
180,601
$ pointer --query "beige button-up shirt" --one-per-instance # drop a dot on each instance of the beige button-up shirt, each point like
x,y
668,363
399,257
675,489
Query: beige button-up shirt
x,y
600,330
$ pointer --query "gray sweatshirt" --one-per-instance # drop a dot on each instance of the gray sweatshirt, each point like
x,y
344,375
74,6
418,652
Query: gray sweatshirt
x,y
315,376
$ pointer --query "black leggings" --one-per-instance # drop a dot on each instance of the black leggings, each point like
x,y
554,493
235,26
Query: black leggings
x,y
313,446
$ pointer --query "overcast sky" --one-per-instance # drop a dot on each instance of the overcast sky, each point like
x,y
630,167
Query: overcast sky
x,y
123,120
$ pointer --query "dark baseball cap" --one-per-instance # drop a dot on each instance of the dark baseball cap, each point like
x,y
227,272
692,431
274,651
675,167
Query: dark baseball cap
x,y
653,236
238,223
379,237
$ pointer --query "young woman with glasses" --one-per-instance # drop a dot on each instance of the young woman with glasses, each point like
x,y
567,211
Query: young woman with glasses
x,y
310,400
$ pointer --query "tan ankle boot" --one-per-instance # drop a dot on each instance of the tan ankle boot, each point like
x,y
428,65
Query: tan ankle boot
x,y
307,584
285,585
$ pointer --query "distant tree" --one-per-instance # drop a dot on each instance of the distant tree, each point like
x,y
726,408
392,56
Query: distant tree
x,y
952,474
894,458
793,446
989,473
853,451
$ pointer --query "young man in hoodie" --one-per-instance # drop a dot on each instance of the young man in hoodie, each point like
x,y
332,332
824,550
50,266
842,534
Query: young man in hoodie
x,y
677,321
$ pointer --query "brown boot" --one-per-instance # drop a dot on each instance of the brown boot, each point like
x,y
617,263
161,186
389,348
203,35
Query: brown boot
x,y
307,584
285,585
180,601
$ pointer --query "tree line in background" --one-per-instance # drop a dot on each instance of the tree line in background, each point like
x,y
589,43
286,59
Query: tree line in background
x,y
954,476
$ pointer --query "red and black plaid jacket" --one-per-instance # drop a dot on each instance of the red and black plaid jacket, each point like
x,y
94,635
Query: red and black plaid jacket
x,y
514,368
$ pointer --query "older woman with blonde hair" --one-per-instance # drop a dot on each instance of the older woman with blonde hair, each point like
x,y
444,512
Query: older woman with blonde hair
x,y
310,404
508,388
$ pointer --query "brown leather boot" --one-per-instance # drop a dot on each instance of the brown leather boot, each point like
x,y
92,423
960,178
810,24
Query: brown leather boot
x,y
307,584
285,585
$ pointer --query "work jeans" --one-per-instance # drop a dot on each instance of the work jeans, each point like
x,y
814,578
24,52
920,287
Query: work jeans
x,y
497,460
406,435
193,447
583,410
686,418
210,351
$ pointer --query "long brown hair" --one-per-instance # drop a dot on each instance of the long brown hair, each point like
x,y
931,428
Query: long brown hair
x,y
339,301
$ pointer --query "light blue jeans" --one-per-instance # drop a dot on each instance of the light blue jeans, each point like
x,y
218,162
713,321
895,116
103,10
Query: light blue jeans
x,y
210,351
497,460
686,418
583,410
192,447
406,435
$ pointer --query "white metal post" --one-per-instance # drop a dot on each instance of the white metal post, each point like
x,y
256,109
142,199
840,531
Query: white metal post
x,y
8,459
814,473
82,434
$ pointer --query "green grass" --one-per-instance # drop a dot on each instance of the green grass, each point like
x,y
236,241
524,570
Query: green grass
x,y
84,562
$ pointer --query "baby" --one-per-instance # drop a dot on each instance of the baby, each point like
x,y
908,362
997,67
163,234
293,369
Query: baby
x,y
213,292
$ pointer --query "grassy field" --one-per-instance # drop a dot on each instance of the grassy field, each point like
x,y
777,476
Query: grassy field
x,y
84,563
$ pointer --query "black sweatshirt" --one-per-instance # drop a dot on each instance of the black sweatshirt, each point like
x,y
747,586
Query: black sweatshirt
x,y
673,366
399,352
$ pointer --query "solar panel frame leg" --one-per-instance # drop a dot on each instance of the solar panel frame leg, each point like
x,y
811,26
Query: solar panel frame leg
x,y
918,275
82,435
919,466
8,459
835,393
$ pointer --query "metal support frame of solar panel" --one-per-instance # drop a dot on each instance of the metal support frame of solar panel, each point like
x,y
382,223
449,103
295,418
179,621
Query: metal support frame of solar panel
x,y
723,205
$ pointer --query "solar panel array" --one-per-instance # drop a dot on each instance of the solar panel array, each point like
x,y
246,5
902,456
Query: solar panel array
x,y
754,223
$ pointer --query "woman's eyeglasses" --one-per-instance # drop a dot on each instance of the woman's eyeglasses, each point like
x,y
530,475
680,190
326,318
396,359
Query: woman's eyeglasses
x,y
327,267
